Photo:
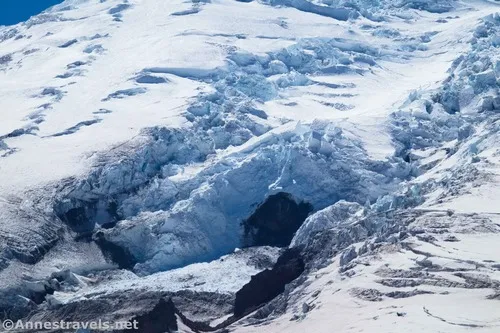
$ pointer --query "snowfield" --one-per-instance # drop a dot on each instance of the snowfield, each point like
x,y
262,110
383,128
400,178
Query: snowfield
x,y
138,138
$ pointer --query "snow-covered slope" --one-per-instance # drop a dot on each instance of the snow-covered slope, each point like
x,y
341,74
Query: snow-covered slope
x,y
137,137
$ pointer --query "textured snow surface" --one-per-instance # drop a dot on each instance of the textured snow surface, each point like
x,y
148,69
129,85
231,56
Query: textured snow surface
x,y
224,275
164,124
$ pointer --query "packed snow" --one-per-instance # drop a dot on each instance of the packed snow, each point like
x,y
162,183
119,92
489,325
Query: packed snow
x,y
162,125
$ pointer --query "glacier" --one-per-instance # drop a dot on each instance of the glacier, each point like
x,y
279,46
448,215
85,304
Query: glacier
x,y
138,137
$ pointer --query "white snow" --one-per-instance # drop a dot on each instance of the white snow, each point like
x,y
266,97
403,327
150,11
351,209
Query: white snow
x,y
184,115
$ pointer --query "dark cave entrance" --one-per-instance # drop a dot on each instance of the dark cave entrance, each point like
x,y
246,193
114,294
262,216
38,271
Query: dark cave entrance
x,y
275,221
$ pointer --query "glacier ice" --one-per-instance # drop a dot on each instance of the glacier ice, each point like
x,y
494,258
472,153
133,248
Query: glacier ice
x,y
169,221
174,196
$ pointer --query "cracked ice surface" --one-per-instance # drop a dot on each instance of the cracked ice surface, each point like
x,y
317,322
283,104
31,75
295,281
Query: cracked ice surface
x,y
358,107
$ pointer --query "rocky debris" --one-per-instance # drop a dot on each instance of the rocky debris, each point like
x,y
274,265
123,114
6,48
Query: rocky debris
x,y
161,319
262,288
116,253
35,295
437,282
475,280
371,295
406,294
110,307
15,307
68,281
155,312
276,220
262,259
428,264
268,284
398,230
147,195
18,302
401,273
374,295
203,306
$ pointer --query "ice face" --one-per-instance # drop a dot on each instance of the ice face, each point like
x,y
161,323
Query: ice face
x,y
165,153
169,221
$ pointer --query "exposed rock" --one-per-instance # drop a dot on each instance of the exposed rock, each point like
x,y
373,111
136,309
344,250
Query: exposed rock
x,y
203,306
268,284
154,311
276,220
371,295
116,253
437,282
473,280
406,294
171,218
159,320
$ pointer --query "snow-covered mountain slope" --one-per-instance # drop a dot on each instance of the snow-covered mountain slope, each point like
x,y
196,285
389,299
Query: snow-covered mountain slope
x,y
140,138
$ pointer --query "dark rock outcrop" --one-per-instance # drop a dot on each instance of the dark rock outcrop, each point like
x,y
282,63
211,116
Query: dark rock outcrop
x,y
268,284
160,311
114,252
78,219
161,319
276,220
153,311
